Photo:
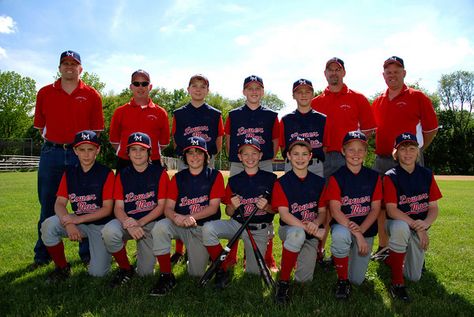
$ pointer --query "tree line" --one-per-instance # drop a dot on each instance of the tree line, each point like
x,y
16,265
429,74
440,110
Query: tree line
x,y
450,153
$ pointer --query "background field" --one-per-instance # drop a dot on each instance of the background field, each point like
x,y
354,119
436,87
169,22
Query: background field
x,y
444,290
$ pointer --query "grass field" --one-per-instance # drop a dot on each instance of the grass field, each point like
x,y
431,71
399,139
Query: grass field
x,y
446,288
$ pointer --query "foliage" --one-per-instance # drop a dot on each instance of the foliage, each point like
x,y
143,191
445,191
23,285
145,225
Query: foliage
x,y
444,290
17,99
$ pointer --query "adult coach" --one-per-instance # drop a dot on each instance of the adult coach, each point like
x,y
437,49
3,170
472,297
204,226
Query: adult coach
x,y
346,110
140,114
62,109
399,109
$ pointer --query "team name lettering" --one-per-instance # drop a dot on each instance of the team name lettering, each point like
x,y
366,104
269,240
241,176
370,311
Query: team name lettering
x,y
315,144
185,201
409,200
85,208
73,198
306,211
252,133
131,197
354,201
359,210
415,203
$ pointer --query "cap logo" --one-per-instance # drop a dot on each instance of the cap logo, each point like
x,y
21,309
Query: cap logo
x,y
302,82
248,141
406,136
194,142
137,137
253,78
85,136
355,135
69,53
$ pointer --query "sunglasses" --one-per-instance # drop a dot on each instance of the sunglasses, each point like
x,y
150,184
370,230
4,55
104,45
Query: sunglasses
x,y
142,83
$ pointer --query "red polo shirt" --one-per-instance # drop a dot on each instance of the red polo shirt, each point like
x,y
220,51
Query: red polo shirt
x,y
346,110
60,116
401,114
129,118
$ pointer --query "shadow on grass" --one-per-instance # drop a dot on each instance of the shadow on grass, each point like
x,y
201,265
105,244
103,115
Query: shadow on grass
x,y
25,293
428,297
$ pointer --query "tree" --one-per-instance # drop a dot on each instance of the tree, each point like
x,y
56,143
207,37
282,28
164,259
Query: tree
x,y
17,100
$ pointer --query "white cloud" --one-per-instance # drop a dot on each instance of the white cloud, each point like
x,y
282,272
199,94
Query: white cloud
x,y
3,53
242,40
7,25
231,8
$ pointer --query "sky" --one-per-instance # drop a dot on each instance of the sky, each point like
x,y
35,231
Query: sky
x,y
280,41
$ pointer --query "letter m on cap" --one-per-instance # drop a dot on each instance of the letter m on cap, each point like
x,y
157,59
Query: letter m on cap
x,y
85,136
138,137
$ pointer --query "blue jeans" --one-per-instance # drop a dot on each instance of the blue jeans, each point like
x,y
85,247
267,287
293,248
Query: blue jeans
x,y
53,162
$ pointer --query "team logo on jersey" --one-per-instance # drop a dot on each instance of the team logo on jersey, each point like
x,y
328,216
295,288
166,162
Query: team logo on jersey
x,y
249,133
418,203
200,131
360,206
401,104
86,204
304,212
345,107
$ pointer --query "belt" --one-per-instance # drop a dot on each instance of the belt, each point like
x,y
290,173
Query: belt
x,y
257,226
64,146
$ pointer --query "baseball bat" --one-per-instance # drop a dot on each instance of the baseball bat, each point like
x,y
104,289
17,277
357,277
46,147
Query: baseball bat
x,y
216,264
262,266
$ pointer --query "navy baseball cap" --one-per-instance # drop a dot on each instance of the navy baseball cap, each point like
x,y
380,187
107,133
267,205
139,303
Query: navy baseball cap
x,y
394,60
86,136
336,60
139,138
199,77
302,82
406,137
354,136
253,79
70,54
195,142
299,140
253,142
142,73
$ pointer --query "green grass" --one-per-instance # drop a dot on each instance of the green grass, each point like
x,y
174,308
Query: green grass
x,y
444,290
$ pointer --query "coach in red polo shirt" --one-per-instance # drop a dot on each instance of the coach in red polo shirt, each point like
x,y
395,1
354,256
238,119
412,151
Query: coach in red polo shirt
x,y
399,109
62,109
346,110
140,114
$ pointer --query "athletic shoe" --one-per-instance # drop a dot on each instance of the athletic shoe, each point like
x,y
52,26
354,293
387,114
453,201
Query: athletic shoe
x,y
176,257
381,254
166,282
282,293
59,275
222,279
122,277
399,292
343,289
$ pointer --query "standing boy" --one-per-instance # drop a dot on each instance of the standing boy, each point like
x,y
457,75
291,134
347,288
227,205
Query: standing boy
x,y
140,114
252,120
245,191
139,193
298,197
194,198
306,123
354,194
411,196
88,187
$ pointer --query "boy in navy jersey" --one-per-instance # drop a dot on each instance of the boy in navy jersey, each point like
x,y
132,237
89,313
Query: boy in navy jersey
x,y
244,189
140,194
298,196
354,194
197,118
88,187
193,198
410,195
306,123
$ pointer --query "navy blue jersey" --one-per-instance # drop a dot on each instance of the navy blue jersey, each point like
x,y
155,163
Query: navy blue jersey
x,y
85,189
140,190
250,188
303,195
307,125
191,121
357,193
413,190
248,123
194,192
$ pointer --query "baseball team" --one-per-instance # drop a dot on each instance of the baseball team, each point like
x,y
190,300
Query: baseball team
x,y
325,189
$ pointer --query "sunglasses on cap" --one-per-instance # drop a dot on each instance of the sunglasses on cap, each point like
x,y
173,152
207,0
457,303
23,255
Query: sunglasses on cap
x,y
141,83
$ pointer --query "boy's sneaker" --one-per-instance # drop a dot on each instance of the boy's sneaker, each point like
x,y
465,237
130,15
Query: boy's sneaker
x,y
399,292
343,289
59,275
222,279
176,258
381,254
282,293
122,277
166,282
